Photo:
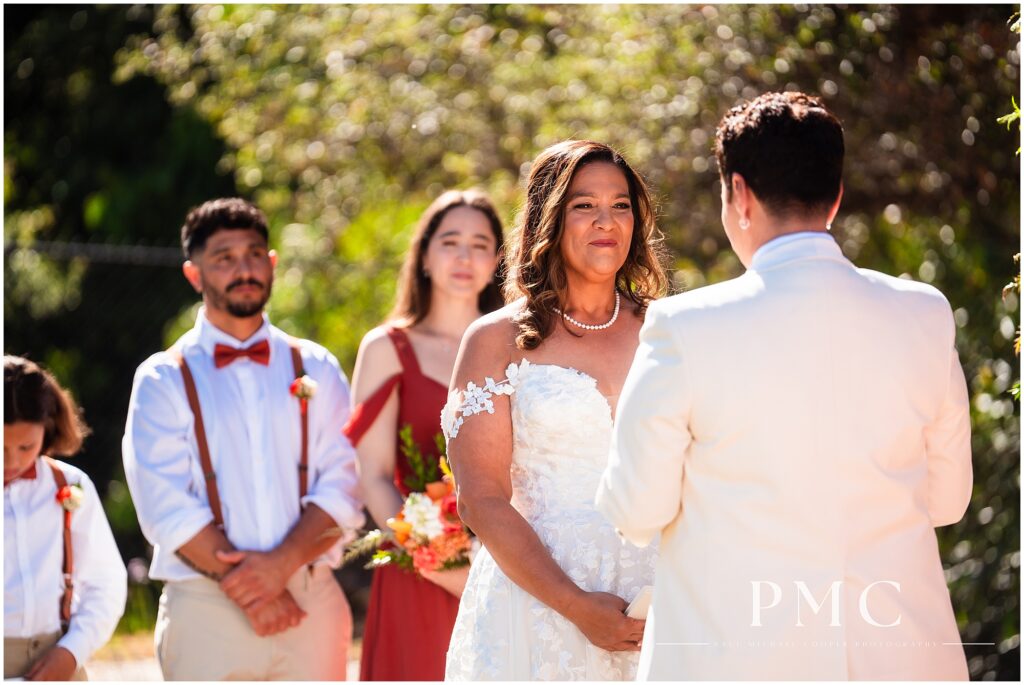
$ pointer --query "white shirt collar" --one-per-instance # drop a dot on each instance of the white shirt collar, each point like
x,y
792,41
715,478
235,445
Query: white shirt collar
x,y
208,335
799,245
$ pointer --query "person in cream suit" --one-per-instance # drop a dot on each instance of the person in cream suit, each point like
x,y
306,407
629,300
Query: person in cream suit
x,y
795,435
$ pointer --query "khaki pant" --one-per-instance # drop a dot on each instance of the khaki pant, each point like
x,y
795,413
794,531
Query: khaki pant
x,y
21,652
203,635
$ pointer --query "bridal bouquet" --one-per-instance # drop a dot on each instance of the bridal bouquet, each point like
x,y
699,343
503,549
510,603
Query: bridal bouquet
x,y
427,534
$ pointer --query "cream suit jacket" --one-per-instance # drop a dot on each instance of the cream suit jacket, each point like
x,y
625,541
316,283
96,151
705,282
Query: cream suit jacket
x,y
795,435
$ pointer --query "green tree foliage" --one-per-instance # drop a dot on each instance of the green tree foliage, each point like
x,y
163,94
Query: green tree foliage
x,y
97,178
1013,287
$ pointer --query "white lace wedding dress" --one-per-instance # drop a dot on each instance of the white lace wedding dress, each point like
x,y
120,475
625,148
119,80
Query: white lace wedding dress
x,y
561,428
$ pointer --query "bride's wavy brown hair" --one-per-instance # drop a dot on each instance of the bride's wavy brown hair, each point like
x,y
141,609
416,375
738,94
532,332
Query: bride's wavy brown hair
x,y
535,268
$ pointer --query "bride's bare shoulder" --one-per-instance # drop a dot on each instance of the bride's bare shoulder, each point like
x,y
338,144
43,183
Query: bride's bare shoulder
x,y
496,328
491,339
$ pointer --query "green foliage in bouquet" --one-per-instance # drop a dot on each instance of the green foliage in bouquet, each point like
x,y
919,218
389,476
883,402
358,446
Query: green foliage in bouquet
x,y
372,542
391,557
423,470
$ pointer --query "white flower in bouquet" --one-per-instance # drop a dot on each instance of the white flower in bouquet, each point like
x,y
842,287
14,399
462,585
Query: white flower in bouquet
x,y
423,515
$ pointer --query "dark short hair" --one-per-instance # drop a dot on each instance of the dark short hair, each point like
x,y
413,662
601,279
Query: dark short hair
x,y
32,395
789,149
214,215
414,290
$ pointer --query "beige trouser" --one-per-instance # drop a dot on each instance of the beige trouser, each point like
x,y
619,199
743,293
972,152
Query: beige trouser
x,y
21,652
203,635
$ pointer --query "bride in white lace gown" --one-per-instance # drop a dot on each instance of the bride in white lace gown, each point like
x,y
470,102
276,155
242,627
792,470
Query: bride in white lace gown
x,y
529,426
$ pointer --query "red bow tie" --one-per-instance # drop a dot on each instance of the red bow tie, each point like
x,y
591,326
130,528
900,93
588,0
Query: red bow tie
x,y
30,474
225,354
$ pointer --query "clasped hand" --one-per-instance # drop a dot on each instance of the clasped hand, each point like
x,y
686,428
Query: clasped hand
x,y
601,617
57,664
276,615
257,585
256,576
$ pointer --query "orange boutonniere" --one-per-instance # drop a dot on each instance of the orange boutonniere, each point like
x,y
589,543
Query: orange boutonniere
x,y
70,497
303,388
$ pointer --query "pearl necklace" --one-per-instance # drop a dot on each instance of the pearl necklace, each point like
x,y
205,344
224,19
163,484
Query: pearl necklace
x,y
594,327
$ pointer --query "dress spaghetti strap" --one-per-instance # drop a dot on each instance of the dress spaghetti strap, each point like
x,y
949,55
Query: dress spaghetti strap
x,y
406,355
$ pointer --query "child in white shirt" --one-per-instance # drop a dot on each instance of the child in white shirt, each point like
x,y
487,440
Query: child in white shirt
x,y
54,527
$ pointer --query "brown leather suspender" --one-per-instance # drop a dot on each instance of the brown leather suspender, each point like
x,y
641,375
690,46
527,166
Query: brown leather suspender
x,y
209,474
304,456
69,561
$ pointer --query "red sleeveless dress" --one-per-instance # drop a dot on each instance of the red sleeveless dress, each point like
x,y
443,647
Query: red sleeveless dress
x,y
409,620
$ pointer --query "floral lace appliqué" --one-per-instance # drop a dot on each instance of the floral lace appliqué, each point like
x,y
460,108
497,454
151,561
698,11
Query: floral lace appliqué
x,y
477,399
561,433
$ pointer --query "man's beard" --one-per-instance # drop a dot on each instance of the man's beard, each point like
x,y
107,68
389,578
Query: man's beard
x,y
218,299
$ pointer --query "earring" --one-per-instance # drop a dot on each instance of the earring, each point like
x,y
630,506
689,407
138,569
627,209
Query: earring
x,y
426,273
744,223
828,227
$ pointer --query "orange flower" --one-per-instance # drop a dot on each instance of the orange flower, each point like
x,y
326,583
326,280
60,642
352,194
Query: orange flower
x,y
401,528
437,490
451,546
424,559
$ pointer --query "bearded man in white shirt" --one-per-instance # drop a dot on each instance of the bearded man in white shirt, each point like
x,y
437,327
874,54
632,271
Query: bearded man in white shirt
x,y
241,477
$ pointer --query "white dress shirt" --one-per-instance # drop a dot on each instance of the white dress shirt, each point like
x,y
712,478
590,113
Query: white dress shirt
x,y
764,253
253,430
34,564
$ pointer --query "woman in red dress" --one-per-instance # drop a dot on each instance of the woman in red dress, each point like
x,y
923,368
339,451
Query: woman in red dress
x,y
403,369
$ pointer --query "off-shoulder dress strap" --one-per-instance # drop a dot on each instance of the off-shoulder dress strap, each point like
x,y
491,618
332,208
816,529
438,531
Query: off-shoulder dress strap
x,y
367,411
476,399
